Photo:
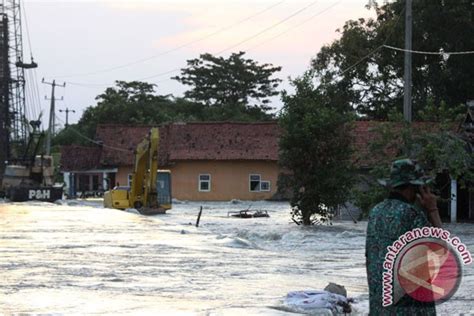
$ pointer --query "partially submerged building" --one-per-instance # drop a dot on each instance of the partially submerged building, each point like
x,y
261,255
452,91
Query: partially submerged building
x,y
208,161
218,161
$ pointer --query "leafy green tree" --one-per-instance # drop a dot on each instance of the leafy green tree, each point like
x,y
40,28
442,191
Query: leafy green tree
x,y
137,103
73,134
234,85
130,103
370,76
435,144
315,148
127,103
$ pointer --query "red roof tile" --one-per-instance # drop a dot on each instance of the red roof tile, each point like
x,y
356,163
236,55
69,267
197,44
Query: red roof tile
x,y
223,141
119,143
80,158
204,141
365,132
193,141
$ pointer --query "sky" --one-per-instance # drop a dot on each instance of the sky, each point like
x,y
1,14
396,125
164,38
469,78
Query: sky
x,y
89,44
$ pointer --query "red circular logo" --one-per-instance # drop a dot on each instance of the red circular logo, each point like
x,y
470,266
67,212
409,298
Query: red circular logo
x,y
429,271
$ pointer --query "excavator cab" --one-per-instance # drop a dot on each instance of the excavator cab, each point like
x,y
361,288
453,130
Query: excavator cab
x,y
119,197
163,186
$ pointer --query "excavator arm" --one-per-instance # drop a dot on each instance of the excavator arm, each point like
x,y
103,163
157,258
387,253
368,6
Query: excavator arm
x,y
143,186
143,194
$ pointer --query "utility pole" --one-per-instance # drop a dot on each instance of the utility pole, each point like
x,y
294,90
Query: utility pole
x,y
67,115
52,114
407,100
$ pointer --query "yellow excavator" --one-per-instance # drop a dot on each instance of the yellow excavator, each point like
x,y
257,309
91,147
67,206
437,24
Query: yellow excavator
x,y
150,190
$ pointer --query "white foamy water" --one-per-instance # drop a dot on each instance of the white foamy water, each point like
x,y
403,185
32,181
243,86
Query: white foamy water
x,y
78,258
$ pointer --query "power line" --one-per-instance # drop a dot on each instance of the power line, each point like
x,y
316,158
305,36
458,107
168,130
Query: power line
x,y
218,53
160,74
294,27
52,114
175,48
376,49
440,52
269,28
359,61
91,140
88,85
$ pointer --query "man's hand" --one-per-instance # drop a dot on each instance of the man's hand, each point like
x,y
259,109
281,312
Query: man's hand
x,y
428,202
427,199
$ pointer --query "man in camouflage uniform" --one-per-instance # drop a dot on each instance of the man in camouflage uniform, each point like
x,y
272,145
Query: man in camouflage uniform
x,y
389,220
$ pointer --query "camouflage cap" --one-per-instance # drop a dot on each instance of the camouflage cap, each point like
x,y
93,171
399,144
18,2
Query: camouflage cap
x,y
406,171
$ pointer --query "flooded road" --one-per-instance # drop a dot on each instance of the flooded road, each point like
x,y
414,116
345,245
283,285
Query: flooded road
x,y
78,258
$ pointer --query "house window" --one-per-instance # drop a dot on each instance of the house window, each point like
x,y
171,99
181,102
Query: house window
x,y
204,183
255,180
130,177
265,186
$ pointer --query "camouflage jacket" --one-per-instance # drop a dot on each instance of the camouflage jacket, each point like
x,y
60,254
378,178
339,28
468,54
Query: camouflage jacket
x,y
389,220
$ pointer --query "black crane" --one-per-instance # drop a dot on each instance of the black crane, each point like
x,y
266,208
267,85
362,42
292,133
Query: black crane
x,y
14,129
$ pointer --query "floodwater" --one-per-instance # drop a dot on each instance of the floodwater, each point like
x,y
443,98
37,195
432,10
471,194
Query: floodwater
x,y
79,258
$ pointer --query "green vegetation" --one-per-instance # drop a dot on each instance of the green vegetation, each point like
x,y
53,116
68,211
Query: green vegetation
x,y
316,149
235,83
373,79
356,74
435,144
233,89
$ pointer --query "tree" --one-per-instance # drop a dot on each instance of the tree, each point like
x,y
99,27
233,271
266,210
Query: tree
x,y
130,103
235,84
73,134
138,103
434,144
370,76
315,148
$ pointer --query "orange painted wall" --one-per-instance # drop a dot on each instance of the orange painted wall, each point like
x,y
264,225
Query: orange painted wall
x,y
229,179
122,175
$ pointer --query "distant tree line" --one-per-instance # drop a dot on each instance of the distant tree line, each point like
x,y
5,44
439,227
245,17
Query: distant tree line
x,y
221,89
355,76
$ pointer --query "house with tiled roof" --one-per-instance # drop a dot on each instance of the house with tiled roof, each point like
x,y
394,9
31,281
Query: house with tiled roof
x,y
208,161
214,161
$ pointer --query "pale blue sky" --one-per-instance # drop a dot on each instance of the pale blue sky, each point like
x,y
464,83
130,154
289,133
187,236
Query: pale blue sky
x,y
72,39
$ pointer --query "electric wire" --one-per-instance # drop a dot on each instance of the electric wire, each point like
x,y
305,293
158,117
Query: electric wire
x,y
90,139
441,52
294,27
269,28
376,49
218,53
175,48
363,58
